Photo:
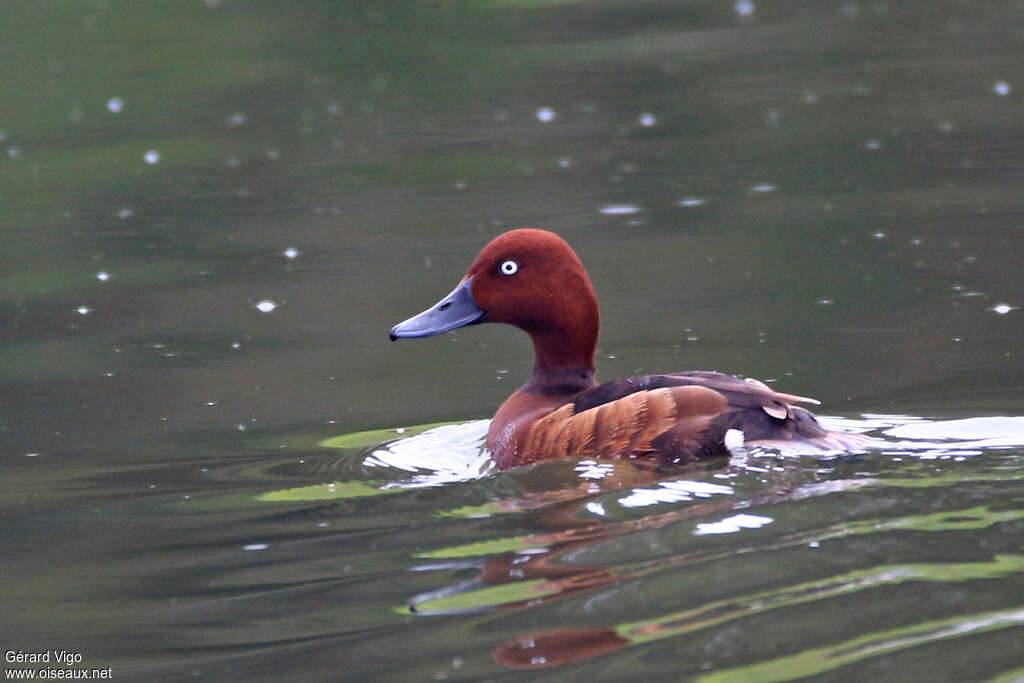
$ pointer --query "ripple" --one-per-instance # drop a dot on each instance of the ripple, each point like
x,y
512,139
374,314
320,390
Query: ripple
x,y
673,492
445,454
731,525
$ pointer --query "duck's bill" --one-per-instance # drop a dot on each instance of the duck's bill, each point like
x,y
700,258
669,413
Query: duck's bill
x,y
458,309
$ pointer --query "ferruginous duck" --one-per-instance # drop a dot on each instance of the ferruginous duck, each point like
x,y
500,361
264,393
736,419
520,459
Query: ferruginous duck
x,y
533,279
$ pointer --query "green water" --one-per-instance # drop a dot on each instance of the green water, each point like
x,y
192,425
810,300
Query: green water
x,y
213,212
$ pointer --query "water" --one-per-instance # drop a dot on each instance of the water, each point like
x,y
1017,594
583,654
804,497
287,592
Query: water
x,y
212,213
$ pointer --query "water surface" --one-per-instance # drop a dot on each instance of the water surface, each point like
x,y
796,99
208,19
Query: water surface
x,y
212,213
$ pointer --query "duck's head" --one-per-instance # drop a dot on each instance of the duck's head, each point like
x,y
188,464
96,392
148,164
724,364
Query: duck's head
x,y
528,278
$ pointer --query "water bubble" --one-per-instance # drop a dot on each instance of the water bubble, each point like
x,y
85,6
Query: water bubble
x,y
236,345
334,109
879,235
647,120
256,546
873,144
619,209
762,188
126,212
115,105
826,302
946,126
744,8
1001,88
14,152
273,154
564,162
103,276
690,202
3,136
810,97
546,115
83,310
460,185
1003,309
152,157
232,162
238,118
265,305
291,253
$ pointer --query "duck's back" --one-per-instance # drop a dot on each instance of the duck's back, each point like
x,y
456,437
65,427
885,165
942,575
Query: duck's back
x,y
674,417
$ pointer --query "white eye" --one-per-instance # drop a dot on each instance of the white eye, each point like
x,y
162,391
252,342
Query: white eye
x,y
509,267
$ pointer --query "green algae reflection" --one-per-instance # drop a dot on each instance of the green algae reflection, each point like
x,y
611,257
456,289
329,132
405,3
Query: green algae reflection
x,y
484,598
339,490
810,662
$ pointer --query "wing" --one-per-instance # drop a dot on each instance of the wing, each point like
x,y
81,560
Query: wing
x,y
676,417
745,393
627,425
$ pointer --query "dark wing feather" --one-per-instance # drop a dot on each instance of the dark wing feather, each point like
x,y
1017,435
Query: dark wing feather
x,y
691,429
741,393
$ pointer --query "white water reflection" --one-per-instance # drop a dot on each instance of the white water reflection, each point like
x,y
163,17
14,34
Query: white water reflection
x,y
457,452
442,455
731,525
673,492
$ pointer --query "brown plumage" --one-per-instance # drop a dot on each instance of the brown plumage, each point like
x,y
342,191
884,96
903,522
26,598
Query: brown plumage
x,y
674,417
532,279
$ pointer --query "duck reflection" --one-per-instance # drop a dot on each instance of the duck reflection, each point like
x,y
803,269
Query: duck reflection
x,y
543,567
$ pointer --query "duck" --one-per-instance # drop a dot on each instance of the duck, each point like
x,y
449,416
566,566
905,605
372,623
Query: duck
x,y
533,279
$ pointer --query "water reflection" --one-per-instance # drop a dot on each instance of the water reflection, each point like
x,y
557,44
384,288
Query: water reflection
x,y
598,511
823,193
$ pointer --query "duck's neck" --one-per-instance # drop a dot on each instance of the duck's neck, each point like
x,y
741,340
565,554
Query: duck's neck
x,y
564,363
